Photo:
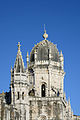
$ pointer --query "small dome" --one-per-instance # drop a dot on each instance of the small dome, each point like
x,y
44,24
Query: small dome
x,y
43,49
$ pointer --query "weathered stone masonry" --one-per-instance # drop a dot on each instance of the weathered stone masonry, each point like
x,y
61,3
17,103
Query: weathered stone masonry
x,y
37,92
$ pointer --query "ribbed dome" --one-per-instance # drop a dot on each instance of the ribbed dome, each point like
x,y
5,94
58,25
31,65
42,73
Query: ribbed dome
x,y
43,49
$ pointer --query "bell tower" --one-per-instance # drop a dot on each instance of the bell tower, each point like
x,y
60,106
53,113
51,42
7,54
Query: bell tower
x,y
48,69
19,87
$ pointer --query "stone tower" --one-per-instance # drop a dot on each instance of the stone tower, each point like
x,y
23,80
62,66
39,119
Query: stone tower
x,y
19,88
37,92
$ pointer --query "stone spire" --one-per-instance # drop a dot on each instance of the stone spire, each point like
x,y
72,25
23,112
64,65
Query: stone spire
x,y
19,64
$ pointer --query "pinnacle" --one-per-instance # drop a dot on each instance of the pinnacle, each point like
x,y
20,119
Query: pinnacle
x,y
19,46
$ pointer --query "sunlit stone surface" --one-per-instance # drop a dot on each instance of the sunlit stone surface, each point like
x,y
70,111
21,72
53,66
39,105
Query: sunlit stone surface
x,y
37,92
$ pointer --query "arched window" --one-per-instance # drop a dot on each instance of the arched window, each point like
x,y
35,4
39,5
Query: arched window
x,y
22,95
43,90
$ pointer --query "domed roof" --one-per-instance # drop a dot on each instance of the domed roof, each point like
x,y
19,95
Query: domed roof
x,y
43,49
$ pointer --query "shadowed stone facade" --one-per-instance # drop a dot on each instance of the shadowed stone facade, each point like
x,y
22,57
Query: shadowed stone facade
x,y
37,92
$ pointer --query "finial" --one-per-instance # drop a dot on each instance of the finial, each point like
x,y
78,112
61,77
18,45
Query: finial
x,y
69,101
27,54
45,35
61,53
11,69
19,45
2,92
64,95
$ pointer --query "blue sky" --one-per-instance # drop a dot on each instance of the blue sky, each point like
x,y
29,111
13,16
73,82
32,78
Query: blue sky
x,y
23,21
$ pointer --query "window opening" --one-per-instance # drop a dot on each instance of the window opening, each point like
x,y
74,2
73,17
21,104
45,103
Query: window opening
x,y
23,95
58,94
43,90
18,96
